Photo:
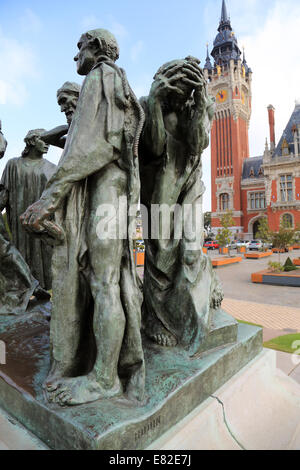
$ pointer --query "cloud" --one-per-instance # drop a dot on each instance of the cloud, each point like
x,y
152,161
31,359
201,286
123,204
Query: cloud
x,y
135,51
118,30
141,85
93,22
19,64
30,22
89,22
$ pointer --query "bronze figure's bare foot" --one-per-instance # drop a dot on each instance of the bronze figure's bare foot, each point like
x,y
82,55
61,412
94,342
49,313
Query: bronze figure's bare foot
x,y
164,339
160,335
216,297
79,390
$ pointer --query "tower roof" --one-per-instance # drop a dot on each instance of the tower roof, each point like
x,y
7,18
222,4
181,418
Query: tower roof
x,y
288,133
252,167
225,43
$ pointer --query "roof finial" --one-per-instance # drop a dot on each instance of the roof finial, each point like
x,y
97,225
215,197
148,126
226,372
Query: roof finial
x,y
266,144
207,62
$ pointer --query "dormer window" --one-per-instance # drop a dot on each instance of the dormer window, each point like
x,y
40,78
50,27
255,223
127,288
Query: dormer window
x,y
251,174
285,147
261,172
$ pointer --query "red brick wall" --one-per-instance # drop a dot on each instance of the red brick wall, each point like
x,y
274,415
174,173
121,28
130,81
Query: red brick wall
x,y
247,217
228,134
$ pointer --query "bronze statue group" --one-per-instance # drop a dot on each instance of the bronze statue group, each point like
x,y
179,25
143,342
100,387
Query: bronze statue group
x,y
114,147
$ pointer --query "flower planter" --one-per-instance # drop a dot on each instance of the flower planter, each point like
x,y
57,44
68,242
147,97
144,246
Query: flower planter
x,y
139,257
291,278
223,250
296,261
218,262
277,250
258,255
241,249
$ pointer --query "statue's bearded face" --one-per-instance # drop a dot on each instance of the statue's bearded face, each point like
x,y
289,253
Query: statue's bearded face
x,y
39,145
67,103
85,59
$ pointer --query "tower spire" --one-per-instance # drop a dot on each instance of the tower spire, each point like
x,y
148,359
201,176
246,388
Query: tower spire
x,y
224,15
225,20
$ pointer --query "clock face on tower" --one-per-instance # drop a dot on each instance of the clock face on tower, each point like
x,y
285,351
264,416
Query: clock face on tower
x,y
222,96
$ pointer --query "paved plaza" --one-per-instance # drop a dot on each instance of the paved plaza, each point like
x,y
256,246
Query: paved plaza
x,y
276,309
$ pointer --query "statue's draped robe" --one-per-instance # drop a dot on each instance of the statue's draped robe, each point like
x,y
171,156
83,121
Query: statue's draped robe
x,y
98,150
16,282
25,180
178,278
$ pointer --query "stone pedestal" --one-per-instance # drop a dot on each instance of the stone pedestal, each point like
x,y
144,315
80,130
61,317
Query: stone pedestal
x,y
175,385
258,408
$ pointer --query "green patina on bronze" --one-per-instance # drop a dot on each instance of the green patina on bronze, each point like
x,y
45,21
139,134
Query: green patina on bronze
x,y
17,284
129,387
175,384
23,181
96,348
67,98
181,289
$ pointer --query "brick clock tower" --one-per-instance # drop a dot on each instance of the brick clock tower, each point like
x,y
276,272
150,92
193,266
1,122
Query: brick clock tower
x,y
229,81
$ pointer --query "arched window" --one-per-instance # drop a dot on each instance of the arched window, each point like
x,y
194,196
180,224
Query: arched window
x,y
287,220
224,201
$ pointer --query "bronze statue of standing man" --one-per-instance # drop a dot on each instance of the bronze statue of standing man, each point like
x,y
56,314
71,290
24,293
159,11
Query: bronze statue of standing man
x,y
95,332
23,181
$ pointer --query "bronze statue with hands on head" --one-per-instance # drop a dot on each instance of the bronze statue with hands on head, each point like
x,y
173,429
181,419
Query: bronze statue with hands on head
x,y
181,290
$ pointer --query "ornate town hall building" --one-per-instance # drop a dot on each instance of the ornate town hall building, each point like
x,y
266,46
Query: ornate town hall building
x,y
256,187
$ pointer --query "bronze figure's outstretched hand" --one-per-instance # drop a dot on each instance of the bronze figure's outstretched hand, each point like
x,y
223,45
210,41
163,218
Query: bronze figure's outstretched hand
x,y
36,220
34,215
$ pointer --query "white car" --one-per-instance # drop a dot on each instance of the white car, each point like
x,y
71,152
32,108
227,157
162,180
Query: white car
x,y
255,245
240,243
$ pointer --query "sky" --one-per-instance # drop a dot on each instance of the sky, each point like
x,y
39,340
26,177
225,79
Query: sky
x,y
38,42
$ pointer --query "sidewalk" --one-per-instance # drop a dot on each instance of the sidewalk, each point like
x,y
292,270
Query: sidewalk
x,y
276,320
275,317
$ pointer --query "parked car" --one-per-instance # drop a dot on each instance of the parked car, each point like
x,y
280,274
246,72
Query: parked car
x,y
212,245
255,245
140,245
240,243
232,245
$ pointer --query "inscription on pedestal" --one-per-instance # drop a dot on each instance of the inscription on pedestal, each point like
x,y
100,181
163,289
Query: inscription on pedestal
x,y
154,423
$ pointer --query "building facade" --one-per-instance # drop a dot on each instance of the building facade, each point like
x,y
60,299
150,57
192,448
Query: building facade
x,y
251,187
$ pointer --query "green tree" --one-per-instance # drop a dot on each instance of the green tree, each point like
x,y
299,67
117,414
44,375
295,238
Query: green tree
x,y
207,221
283,238
263,232
224,235
297,235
